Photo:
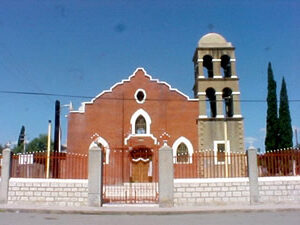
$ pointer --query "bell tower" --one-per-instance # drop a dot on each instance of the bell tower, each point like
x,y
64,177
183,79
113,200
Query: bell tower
x,y
220,122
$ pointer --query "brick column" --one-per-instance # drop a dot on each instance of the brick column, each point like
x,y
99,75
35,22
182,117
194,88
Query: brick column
x,y
95,177
253,175
5,175
166,177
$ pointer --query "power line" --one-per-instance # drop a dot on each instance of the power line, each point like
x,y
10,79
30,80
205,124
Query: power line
x,y
114,98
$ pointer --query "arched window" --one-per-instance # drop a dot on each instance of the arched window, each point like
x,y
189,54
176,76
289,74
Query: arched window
x,y
140,125
226,65
182,150
207,63
211,96
228,102
103,145
182,153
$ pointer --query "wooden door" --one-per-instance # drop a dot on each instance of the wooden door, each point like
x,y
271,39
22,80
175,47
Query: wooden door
x,y
140,171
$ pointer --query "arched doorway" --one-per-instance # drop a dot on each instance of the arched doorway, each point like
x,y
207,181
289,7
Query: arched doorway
x,y
141,164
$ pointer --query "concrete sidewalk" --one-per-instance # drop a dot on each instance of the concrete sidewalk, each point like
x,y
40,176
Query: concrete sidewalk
x,y
146,209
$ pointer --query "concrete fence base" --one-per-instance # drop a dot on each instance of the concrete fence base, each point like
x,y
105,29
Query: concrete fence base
x,y
48,192
228,191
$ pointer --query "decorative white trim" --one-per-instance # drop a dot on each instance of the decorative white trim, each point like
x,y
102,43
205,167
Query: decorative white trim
x,y
285,178
216,60
217,76
237,116
82,107
202,116
140,112
233,76
42,180
216,151
232,60
218,93
199,60
140,135
188,145
104,143
201,77
201,93
236,93
220,116
141,159
135,95
212,180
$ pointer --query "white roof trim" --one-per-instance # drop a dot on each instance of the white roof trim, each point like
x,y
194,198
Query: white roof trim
x,y
82,107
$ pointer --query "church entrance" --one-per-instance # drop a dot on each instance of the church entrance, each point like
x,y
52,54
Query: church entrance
x,y
141,165
131,175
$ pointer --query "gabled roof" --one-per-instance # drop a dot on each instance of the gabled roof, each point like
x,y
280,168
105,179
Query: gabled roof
x,y
82,107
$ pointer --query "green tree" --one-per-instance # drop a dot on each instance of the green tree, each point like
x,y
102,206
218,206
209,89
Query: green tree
x,y
272,119
39,144
285,130
1,148
21,139
18,148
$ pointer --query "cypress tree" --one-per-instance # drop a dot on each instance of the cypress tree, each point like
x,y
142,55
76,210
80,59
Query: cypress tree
x,y
21,136
285,130
272,119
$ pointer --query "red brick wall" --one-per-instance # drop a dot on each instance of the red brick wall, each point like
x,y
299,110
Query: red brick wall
x,y
109,115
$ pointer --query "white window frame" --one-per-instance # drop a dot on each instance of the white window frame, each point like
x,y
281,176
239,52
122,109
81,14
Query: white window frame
x,y
227,152
135,96
189,147
133,119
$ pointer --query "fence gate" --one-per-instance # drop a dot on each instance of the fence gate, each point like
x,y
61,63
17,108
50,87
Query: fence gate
x,y
130,175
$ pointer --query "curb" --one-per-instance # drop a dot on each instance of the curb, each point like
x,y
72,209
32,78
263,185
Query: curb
x,y
147,211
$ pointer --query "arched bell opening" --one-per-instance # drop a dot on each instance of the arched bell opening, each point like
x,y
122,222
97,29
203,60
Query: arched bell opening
x,y
208,64
226,66
228,102
212,104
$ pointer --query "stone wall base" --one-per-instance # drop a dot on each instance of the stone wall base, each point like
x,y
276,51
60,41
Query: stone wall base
x,y
48,192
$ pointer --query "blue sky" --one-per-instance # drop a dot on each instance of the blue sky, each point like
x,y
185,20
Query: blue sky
x,y
84,47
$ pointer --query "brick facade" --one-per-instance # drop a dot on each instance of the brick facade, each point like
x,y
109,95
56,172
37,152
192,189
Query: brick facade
x,y
110,115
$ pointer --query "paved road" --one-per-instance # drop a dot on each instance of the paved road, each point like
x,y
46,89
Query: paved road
x,y
241,218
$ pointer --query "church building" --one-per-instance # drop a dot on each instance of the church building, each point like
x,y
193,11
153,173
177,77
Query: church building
x,y
142,113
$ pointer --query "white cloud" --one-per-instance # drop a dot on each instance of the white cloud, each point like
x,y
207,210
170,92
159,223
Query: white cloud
x,y
250,140
263,130
295,127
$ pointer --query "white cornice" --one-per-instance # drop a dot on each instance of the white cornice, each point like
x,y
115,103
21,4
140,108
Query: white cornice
x,y
201,93
82,107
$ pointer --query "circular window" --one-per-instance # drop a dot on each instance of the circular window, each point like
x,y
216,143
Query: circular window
x,y
140,96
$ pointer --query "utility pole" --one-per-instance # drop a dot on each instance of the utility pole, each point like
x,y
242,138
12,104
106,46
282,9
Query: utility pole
x,y
48,149
57,127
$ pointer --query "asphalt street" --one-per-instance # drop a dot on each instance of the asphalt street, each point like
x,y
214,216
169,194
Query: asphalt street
x,y
243,218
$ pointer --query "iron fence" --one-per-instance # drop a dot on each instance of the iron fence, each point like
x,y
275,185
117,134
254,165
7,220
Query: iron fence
x,y
284,162
61,165
209,164
131,176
